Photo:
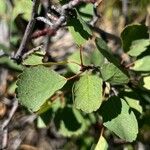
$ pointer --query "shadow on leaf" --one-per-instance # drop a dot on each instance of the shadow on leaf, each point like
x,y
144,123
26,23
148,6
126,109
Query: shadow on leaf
x,y
67,117
111,108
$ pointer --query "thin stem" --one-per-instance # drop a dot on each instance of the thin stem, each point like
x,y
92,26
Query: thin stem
x,y
76,75
81,58
5,139
102,131
74,63
54,63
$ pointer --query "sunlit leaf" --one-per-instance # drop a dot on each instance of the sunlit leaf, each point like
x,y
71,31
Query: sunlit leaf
x,y
146,81
142,64
86,12
138,47
75,58
132,33
22,7
134,104
88,92
36,85
79,29
34,59
118,118
102,144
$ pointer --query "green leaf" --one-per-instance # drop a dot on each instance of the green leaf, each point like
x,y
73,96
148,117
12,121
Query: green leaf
x,y
84,25
132,33
102,144
88,92
106,52
5,49
23,7
142,64
118,118
134,104
138,47
96,58
132,99
79,29
70,122
36,85
2,8
7,62
34,59
75,57
112,74
12,88
44,119
86,11
146,81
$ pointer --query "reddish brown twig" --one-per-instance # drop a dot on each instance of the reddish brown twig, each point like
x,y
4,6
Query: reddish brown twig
x,y
46,31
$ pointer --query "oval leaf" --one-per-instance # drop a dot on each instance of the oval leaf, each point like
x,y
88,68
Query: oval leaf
x,y
36,85
119,118
88,93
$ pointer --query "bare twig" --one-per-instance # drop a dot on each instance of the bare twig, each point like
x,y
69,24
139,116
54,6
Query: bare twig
x,y
55,26
48,39
125,7
63,12
32,51
28,31
46,31
12,111
96,16
3,129
4,139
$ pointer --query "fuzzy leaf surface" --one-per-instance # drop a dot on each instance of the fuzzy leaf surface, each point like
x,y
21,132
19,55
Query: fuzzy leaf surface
x,y
119,119
36,85
34,59
88,93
